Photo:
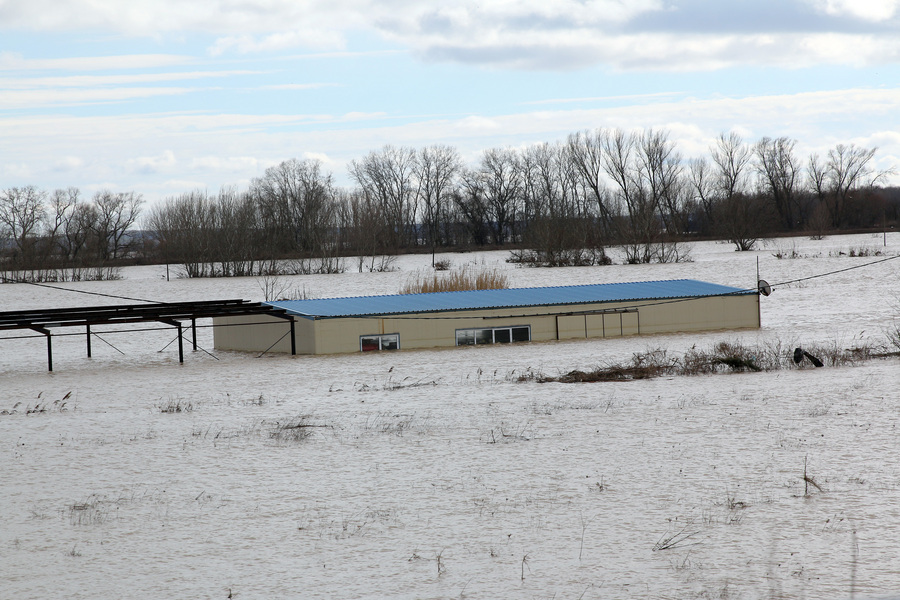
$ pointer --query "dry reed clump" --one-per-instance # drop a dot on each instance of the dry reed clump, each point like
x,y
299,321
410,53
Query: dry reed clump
x,y
893,338
732,356
456,280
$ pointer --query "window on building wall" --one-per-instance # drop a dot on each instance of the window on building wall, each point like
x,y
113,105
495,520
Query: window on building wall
x,y
492,335
369,343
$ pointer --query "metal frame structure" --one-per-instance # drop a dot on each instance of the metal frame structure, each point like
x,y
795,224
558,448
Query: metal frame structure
x,y
169,313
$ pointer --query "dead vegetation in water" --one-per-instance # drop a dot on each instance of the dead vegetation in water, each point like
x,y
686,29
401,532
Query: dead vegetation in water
x,y
724,357
94,510
41,406
395,423
296,429
175,406
676,539
505,433
392,385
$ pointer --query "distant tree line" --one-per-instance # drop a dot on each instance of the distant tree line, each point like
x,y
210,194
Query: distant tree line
x,y
553,204
61,236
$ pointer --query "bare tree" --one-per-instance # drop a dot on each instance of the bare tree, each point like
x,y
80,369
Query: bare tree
x,y
559,230
237,233
661,171
500,181
386,178
700,175
185,230
779,173
366,229
586,153
62,204
739,216
78,227
847,169
647,173
636,230
116,213
22,212
732,158
435,170
471,204
296,203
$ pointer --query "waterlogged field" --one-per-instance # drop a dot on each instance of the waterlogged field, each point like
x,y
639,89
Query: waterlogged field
x,y
437,474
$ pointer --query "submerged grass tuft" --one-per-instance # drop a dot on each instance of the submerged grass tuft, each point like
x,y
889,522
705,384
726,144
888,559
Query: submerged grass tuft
x,y
175,405
297,429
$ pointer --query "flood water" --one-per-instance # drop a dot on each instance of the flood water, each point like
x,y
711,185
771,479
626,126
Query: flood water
x,y
437,474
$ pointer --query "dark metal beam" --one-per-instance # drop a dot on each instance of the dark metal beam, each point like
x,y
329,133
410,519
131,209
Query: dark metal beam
x,y
170,313
293,339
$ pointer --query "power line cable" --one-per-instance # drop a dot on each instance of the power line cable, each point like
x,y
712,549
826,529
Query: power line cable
x,y
448,318
89,293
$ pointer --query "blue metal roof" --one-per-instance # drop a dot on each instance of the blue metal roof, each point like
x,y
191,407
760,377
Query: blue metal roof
x,y
506,298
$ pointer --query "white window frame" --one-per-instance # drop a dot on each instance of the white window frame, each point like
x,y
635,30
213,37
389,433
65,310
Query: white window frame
x,y
382,338
493,331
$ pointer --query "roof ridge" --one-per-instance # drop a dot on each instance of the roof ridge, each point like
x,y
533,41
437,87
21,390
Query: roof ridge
x,y
539,287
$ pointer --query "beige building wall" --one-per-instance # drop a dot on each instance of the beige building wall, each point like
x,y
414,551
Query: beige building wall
x,y
429,330
256,333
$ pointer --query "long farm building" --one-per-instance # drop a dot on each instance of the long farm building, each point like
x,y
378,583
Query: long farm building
x,y
466,318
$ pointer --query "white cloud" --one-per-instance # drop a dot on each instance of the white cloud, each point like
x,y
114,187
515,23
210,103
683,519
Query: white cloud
x,y
227,164
475,124
18,170
11,61
360,116
869,10
662,51
525,34
49,97
653,96
22,83
184,185
154,164
68,163
309,22
231,148
247,44
299,86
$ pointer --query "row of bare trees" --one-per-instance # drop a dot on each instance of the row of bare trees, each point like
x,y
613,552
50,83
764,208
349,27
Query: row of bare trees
x,y
557,203
61,236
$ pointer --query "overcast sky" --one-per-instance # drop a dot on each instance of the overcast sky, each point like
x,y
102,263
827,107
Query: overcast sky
x,y
165,96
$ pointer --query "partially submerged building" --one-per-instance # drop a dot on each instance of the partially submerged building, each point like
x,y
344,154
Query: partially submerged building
x,y
466,318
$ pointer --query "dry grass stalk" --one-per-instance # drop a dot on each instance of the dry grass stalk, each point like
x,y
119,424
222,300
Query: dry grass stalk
x,y
456,280
678,539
